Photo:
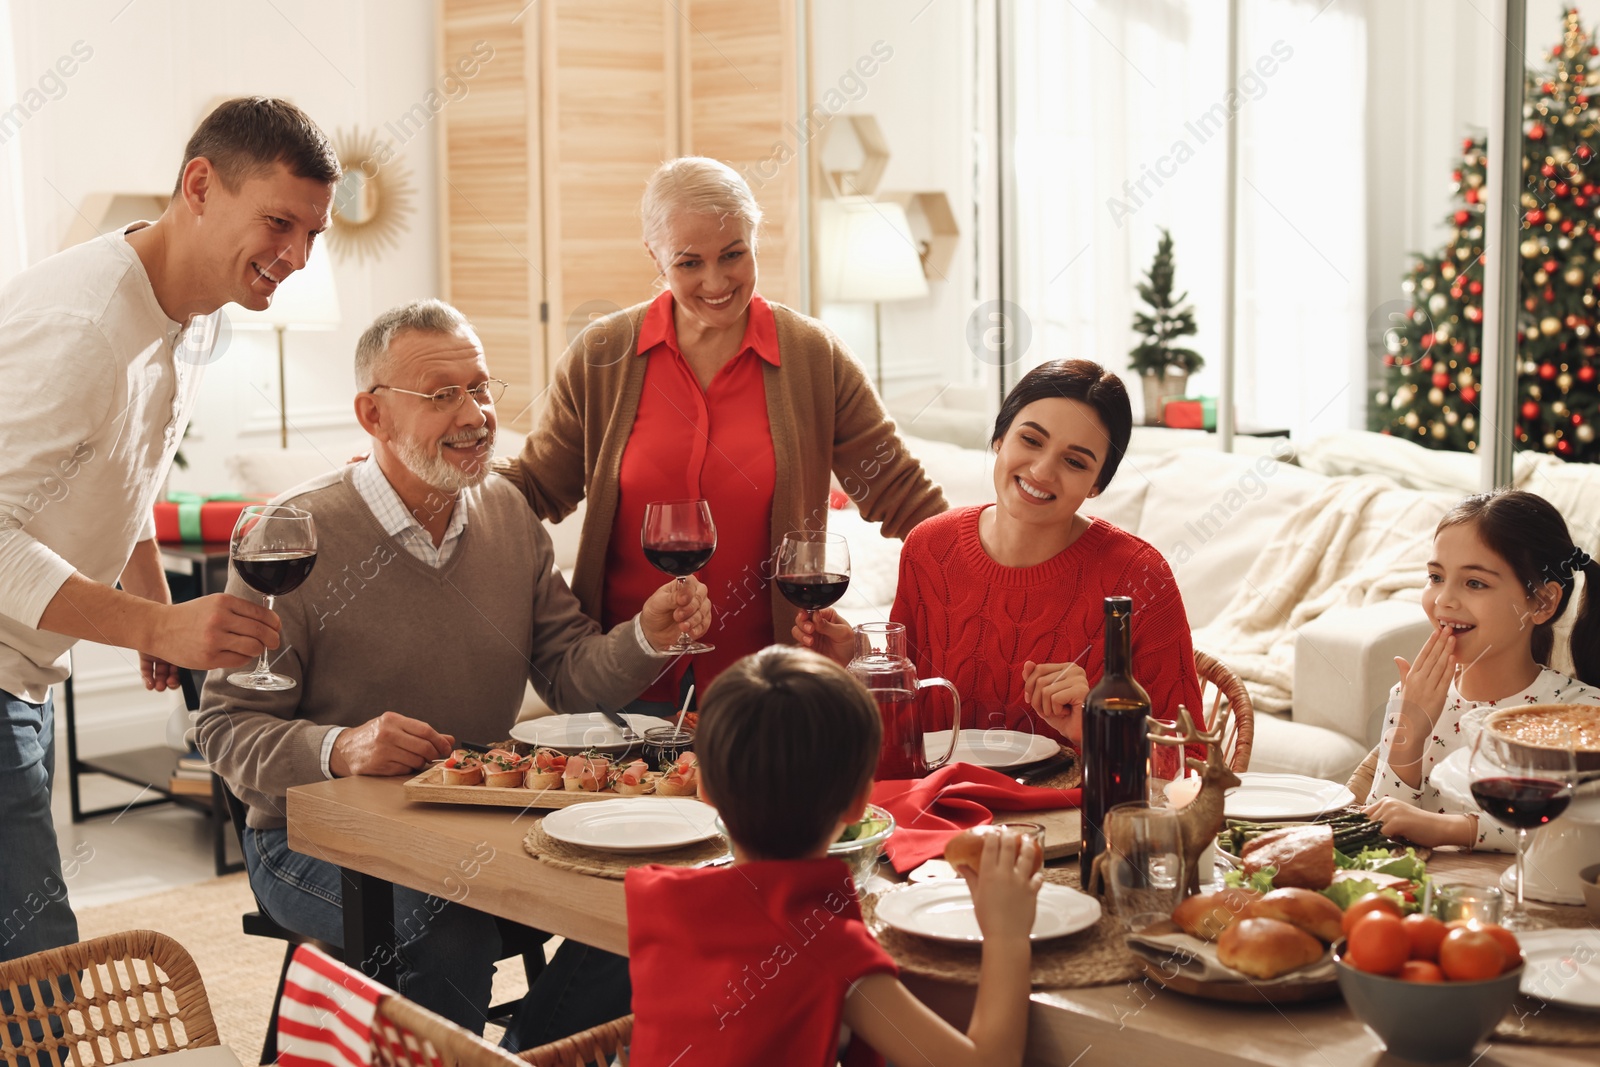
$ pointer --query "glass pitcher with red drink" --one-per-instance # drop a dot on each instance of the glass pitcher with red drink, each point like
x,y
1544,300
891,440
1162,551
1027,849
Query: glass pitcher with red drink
x,y
881,664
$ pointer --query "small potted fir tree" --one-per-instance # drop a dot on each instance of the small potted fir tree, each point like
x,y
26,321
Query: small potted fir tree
x,y
1163,367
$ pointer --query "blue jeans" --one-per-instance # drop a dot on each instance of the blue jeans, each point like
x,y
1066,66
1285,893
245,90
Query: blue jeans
x,y
447,951
34,913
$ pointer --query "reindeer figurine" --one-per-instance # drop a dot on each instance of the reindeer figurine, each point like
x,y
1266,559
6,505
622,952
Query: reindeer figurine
x,y
1200,820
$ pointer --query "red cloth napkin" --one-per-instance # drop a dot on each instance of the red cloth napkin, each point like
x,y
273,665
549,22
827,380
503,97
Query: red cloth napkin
x,y
929,811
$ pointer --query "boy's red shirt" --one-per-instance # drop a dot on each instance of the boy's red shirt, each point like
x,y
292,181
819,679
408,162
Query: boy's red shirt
x,y
744,964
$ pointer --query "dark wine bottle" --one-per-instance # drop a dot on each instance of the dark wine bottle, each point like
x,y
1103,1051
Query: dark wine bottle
x,y
1116,742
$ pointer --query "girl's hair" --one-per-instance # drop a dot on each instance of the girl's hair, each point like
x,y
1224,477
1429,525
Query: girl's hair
x,y
786,742
1075,379
695,185
1528,533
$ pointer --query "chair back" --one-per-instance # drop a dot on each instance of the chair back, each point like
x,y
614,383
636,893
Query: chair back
x,y
601,1045
1361,781
1239,736
122,997
405,1034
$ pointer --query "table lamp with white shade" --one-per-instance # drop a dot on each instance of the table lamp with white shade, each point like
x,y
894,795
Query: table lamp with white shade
x,y
306,300
869,256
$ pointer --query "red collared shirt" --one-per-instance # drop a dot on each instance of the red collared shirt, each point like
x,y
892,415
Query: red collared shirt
x,y
713,443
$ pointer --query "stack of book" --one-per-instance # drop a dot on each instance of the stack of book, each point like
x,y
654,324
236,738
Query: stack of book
x,y
192,775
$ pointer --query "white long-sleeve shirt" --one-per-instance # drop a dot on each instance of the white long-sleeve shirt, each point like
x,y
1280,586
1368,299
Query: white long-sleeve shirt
x,y
96,388
1442,787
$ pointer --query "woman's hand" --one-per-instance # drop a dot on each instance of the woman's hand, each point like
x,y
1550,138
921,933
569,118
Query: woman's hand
x,y
829,635
1005,890
673,609
1426,829
1057,692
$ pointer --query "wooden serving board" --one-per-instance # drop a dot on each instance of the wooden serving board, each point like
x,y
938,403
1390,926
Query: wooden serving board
x,y
1063,829
429,788
1283,990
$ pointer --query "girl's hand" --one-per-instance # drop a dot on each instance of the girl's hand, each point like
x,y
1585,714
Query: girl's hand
x,y
1426,829
1425,682
1005,891
829,635
1057,692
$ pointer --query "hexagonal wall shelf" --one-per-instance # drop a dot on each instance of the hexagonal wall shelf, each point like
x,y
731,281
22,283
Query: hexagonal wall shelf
x,y
934,226
853,154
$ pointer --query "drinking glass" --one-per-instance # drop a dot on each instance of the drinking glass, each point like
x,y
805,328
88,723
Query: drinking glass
x,y
813,569
1144,873
1524,787
679,538
273,550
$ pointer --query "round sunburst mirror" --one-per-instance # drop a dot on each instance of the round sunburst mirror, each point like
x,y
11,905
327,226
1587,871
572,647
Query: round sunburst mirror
x,y
372,203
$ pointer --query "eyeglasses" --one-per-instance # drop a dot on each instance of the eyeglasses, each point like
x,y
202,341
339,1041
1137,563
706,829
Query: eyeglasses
x,y
450,397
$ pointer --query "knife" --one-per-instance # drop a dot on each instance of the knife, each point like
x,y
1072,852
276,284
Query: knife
x,y
616,718
1048,768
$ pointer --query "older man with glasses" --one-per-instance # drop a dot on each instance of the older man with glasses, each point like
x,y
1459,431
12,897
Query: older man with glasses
x,y
434,601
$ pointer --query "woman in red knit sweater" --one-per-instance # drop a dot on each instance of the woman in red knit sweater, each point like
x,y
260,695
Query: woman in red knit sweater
x,y
1007,600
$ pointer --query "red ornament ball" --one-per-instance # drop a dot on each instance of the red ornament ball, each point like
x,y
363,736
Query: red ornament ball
x,y
1466,144
1534,217
1550,266
1441,379
1469,395
1548,170
1530,410
1577,419
1564,447
1547,371
1472,196
1463,217
1475,288
1586,373
1536,132
1562,188
1566,225
1388,360
1583,152
1474,314
1548,88
1473,357
1427,361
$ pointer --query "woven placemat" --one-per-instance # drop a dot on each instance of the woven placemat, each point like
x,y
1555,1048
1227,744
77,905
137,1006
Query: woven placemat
x,y
1092,957
1532,1021
546,849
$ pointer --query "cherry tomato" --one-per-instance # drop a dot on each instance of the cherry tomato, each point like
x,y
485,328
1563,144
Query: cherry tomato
x,y
1468,955
1363,905
1377,944
1425,933
1420,971
1508,943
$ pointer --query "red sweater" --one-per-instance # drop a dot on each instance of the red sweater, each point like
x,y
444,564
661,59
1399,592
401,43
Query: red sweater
x,y
764,982
975,622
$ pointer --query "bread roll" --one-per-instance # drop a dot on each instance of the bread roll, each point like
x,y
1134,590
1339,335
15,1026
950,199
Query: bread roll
x,y
1311,912
966,848
1206,915
1266,948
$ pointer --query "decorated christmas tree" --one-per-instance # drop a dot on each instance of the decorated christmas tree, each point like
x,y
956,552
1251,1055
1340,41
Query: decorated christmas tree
x,y
1430,392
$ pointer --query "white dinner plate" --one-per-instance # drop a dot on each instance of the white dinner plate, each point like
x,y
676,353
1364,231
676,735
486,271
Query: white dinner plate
x,y
633,824
580,733
1284,796
943,910
1563,967
990,748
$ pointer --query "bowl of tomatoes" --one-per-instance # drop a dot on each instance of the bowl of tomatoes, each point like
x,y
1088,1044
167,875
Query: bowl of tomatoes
x,y
1429,990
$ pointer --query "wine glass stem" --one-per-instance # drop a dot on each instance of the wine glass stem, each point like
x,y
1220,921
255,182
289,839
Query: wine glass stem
x,y
1522,849
683,635
264,669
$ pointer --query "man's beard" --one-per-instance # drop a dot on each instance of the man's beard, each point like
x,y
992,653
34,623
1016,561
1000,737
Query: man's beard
x,y
430,465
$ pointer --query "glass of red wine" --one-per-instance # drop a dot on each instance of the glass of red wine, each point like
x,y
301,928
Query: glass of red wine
x,y
273,550
1523,786
679,538
813,569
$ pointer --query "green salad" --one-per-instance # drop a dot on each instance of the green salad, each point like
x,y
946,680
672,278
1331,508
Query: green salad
x,y
1348,889
867,827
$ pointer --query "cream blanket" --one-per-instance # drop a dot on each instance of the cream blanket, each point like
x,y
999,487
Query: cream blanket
x,y
1362,540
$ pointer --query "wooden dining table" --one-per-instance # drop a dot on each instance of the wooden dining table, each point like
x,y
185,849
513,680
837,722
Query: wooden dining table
x,y
474,856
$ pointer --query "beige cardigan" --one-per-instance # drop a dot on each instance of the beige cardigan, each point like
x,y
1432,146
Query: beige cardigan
x,y
824,414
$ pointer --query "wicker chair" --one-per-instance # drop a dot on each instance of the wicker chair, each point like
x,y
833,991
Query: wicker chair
x,y
1240,733
122,997
603,1044
405,1034
1361,781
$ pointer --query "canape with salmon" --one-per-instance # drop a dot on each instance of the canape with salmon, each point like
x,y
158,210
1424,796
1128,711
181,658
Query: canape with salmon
x,y
544,769
504,770
463,768
634,779
680,779
588,773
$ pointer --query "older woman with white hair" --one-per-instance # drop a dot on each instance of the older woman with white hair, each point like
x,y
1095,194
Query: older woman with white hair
x,y
709,391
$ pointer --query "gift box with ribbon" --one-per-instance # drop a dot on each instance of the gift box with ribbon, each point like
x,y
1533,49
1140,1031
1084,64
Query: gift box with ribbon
x,y
194,518
1190,413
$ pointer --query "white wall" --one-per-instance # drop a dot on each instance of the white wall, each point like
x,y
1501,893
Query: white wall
x,y
923,100
121,125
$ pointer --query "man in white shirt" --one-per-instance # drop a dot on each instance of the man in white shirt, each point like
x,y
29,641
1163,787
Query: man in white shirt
x,y
101,348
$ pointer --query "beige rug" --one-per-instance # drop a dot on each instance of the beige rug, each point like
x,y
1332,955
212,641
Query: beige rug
x,y
240,973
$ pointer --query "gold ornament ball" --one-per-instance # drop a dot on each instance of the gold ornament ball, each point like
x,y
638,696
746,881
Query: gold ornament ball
x,y
1436,396
1535,393
1427,285
1451,417
1552,213
1558,409
1469,423
1549,325
1582,329
1530,367
1540,277
1411,420
1437,429
1560,155
1530,201
1549,440
1564,381
1447,271
1573,276
1585,433
1474,179
1530,249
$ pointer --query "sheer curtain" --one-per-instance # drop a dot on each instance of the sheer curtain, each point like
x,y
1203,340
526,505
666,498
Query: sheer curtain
x,y
13,234
1120,112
